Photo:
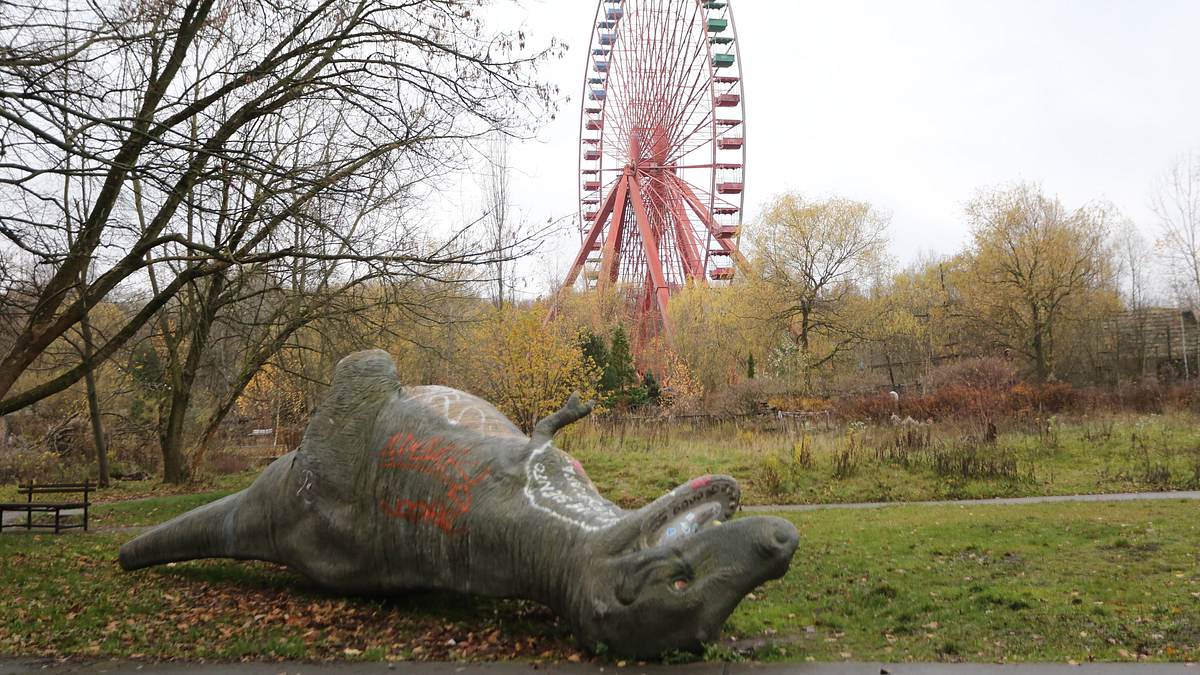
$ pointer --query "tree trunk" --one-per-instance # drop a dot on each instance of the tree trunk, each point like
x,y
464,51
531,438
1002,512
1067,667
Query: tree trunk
x,y
171,436
170,439
94,406
1041,369
804,331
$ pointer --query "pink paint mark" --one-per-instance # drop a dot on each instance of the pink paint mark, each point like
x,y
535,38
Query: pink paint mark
x,y
578,468
700,482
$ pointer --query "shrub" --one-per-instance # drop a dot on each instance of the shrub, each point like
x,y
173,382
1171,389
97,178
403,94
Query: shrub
x,y
1157,475
20,464
224,463
975,373
740,398
868,408
793,402
900,442
971,462
771,476
802,455
782,470
845,462
956,401
845,458
1053,397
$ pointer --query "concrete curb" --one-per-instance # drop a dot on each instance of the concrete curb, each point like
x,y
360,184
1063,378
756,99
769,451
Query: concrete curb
x,y
25,666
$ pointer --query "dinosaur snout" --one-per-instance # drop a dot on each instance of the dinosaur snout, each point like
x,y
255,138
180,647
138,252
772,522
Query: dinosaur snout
x,y
776,539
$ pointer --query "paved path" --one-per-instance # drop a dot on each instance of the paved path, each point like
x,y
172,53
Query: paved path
x,y
849,668
1048,499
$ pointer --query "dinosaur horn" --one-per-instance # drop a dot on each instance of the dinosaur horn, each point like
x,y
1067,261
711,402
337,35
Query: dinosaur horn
x,y
572,411
210,531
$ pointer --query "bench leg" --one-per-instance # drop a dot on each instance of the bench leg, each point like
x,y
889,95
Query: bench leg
x,y
57,519
85,518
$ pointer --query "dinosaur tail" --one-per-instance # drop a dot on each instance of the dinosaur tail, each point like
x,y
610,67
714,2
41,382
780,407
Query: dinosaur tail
x,y
211,531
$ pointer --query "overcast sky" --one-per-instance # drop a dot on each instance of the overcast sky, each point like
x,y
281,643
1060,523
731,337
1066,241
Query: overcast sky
x,y
914,106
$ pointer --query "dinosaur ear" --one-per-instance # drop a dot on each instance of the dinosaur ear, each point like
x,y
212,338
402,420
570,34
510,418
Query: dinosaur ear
x,y
698,503
573,410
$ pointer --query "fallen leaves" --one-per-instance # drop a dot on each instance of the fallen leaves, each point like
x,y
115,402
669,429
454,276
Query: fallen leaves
x,y
82,604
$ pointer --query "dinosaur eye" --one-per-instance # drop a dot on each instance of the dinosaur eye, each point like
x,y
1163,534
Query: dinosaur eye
x,y
680,584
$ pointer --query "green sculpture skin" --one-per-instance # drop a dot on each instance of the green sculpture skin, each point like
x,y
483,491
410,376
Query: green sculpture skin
x,y
397,489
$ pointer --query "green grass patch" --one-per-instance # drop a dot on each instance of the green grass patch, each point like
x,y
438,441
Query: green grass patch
x,y
782,464
1108,581
151,511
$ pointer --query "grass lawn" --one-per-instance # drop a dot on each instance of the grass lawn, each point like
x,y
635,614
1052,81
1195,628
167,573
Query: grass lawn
x,y
635,463
1054,582
1049,457
1057,582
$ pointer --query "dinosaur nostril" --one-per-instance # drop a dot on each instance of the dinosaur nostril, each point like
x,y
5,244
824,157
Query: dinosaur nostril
x,y
779,539
784,536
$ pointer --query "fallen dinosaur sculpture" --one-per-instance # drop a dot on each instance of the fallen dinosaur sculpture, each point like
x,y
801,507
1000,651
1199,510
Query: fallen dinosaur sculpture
x,y
398,488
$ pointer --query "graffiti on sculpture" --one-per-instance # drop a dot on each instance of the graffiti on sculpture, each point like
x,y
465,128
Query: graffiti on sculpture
x,y
443,461
561,489
460,408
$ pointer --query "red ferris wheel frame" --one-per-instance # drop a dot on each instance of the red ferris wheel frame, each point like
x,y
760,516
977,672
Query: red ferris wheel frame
x,y
662,152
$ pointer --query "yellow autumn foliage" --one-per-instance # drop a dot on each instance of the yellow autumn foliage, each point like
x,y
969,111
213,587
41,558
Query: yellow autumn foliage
x,y
526,367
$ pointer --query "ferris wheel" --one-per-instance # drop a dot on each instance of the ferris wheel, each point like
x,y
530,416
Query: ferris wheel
x,y
662,151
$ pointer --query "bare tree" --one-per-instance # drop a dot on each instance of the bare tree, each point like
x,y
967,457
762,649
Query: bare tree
x,y
1177,205
503,232
241,117
254,311
1135,259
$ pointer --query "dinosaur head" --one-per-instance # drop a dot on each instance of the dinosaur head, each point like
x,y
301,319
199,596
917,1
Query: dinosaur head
x,y
668,575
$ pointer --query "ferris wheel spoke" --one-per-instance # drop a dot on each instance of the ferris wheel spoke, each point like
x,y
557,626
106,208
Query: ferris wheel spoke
x,y
650,88
706,217
689,245
676,74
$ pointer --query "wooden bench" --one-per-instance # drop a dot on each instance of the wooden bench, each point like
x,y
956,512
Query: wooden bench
x,y
31,507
